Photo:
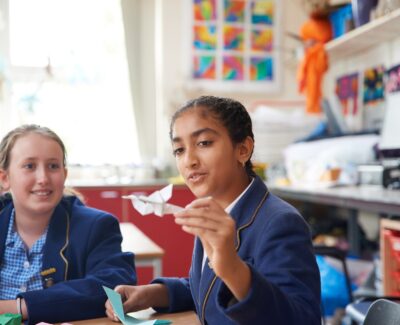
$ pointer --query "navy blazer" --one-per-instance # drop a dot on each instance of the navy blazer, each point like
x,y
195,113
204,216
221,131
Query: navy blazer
x,y
275,242
82,252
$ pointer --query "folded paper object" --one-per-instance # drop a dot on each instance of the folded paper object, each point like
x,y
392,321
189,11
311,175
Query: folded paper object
x,y
10,319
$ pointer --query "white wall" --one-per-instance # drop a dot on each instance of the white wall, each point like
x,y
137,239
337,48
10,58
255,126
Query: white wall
x,y
169,72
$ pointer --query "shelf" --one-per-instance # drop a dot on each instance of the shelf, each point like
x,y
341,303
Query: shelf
x,y
338,2
375,32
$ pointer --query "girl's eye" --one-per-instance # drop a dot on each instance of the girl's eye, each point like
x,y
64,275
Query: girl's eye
x,y
54,166
177,151
205,143
28,166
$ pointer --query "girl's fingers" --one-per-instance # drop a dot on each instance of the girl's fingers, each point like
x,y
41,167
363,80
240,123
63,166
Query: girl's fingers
x,y
199,222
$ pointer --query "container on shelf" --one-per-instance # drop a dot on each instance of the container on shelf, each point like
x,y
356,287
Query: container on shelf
x,y
341,20
362,11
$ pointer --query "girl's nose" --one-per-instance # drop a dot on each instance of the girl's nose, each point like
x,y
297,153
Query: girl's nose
x,y
191,159
42,175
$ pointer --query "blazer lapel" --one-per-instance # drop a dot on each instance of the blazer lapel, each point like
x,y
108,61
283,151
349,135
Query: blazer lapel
x,y
55,263
195,270
245,209
5,214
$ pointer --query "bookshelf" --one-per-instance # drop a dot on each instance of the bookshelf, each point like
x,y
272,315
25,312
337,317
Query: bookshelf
x,y
375,32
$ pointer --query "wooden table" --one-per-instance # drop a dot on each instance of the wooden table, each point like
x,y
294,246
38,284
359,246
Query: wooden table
x,y
183,318
147,252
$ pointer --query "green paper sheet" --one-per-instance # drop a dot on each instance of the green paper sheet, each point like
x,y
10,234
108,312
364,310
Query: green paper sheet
x,y
10,319
116,302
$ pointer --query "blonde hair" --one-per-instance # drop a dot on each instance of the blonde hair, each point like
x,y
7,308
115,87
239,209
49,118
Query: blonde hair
x,y
8,142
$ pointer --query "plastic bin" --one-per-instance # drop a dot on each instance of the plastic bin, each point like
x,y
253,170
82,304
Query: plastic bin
x,y
342,20
362,11
393,238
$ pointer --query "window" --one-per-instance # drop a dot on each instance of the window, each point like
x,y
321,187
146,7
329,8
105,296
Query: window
x,y
68,71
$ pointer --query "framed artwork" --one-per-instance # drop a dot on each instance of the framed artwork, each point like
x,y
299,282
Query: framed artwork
x,y
347,92
373,98
233,45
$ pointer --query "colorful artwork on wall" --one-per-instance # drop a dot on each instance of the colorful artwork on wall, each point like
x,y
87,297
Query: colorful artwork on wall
x,y
261,40
234,11
261,69
233,38
233,45
233,68
204,67
373,98
204,10
205,37
347,93
262,12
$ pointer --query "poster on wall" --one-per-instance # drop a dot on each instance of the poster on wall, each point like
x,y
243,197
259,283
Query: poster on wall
x,y
233,45
373,98
347,92
390,135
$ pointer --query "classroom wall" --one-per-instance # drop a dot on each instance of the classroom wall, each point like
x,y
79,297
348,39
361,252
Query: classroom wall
x,y
165,89
386,53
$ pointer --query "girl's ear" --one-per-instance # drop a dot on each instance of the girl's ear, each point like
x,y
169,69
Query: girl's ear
x,y
4,183
245,150
66,173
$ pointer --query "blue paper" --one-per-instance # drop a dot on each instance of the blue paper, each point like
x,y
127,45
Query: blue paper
x,y
116,303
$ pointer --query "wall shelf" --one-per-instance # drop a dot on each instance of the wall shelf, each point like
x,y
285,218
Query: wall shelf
x,y
375,32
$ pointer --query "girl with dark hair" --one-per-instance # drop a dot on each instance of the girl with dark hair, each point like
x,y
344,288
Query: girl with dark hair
x,y
253,260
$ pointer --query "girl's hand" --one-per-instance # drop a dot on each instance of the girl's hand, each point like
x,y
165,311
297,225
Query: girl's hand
x,y
216,229
138,298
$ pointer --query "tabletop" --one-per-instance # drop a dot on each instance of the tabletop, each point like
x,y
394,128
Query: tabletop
x,y
182,318
134,240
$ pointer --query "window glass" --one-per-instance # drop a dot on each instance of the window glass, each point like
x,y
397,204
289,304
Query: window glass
x,y
69,71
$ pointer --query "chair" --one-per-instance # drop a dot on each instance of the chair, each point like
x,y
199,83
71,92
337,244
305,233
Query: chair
x,y
375,311
340,255
383,312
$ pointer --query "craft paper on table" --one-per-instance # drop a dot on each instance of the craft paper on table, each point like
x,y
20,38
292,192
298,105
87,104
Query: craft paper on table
x,y
154,203
10,319
116,303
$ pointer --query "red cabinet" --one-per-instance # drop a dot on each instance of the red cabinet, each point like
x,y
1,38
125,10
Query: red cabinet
x,y
177,244
104,198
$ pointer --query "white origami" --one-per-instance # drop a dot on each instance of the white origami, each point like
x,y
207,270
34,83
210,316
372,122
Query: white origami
x,y
154,203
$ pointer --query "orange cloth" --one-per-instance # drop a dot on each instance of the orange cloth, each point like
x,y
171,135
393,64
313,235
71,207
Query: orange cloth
x,y
315,32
